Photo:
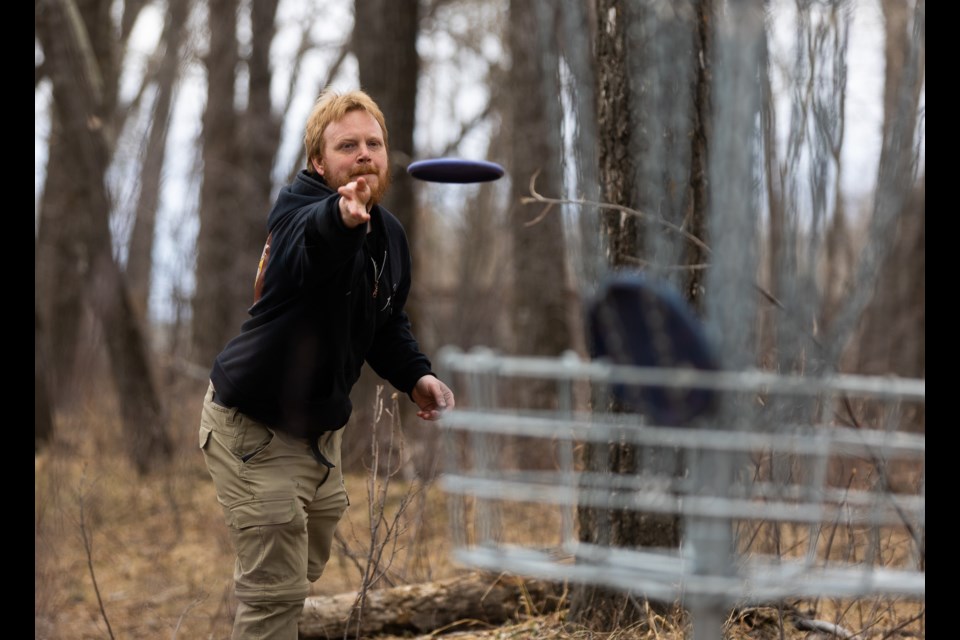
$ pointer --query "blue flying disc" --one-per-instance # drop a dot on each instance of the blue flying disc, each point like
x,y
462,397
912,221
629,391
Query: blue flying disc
x,y
639,322
455,170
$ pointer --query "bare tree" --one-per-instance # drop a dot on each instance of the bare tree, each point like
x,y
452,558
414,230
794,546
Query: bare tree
x,y
241,139
887,345
540,301
217,295
653,122
78,51
259,141
141,254
540,305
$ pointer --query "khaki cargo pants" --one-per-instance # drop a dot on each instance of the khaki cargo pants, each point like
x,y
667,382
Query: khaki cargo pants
x,y
282,507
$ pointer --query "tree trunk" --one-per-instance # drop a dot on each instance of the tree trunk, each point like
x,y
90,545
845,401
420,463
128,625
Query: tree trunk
x,y
776,217
696,222
260,140
888,346
540,296
653,125
420,608
59,265
78,102
216,300
42,410
541,284
140,261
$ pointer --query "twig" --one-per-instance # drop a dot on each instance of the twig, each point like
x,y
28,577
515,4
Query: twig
x,y
384,532
903,624
88,548
536,197
348,552
550,202
187,610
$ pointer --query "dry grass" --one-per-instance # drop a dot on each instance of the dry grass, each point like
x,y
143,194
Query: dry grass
x,y
157,553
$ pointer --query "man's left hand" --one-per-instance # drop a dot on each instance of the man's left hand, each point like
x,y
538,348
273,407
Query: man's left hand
x,y
433,397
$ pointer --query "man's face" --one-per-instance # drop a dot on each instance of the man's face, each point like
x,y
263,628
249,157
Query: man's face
x,y
352,147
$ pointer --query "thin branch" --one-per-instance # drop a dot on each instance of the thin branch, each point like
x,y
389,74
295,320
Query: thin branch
x,y
88,549
896,629
348,552
467,127
378,487
666,267
536,197
187,610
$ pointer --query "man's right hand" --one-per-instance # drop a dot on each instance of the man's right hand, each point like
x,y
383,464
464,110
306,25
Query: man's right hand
x,y
354,197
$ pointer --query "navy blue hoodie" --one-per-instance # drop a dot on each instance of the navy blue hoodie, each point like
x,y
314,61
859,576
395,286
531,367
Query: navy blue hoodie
x,y
332,298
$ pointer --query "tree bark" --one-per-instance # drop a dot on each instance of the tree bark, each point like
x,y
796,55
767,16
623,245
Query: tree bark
x,y
475,599
696,222
592,605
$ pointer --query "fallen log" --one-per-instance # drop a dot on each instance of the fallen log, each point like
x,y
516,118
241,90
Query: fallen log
x,y
474,599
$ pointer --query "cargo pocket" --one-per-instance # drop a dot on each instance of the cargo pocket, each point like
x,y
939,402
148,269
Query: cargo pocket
x,y
269,535
204,436
257,513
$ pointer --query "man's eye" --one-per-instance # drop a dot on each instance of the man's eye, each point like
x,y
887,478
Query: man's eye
x,y
374,144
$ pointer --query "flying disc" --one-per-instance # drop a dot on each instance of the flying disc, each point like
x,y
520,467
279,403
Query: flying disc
x,y
455,170
639,322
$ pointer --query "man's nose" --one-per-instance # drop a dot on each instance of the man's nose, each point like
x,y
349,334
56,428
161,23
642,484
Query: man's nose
x,y
364,153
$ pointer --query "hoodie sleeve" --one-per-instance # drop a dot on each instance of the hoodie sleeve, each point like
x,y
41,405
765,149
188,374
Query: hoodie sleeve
x,y
323,243
395,355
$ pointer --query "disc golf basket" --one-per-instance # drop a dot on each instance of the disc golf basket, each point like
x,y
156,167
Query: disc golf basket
x,y
780,485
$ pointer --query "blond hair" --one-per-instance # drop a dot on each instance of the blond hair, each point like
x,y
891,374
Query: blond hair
x,y
331,106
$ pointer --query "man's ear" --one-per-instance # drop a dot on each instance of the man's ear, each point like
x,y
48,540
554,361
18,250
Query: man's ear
x,y
318,166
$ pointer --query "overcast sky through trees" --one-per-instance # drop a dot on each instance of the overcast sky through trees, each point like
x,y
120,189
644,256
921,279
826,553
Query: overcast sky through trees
x,y
447,94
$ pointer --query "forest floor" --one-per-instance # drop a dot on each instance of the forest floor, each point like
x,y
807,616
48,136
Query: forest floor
x,y
131,557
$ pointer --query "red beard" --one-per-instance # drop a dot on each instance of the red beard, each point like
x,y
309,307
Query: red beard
x,y
377,192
